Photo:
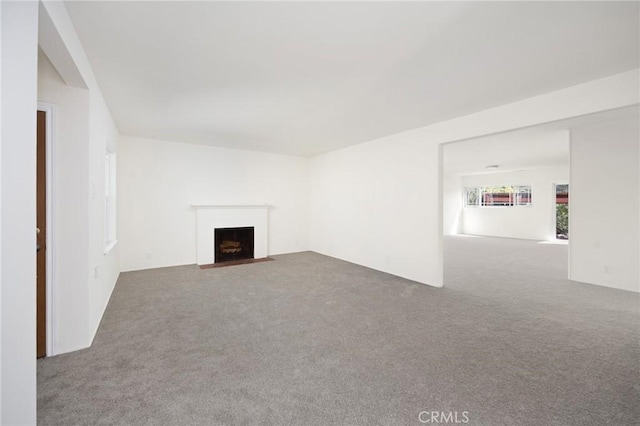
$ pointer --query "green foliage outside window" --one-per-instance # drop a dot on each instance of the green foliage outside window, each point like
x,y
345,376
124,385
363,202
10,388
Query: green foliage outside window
x,y
562,220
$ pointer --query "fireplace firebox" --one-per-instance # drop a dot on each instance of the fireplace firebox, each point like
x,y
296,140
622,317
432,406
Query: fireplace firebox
x,y
233,244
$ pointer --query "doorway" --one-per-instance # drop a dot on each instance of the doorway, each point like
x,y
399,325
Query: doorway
x,y
41,235
562,211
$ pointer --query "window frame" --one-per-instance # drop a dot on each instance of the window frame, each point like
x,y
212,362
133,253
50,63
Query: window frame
x,y
109,224
516,195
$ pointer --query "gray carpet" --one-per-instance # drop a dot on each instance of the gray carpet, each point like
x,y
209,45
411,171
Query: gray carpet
x,y
311,340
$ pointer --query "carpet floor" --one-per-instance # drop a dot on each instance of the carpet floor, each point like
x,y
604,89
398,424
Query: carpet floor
x,y
311,340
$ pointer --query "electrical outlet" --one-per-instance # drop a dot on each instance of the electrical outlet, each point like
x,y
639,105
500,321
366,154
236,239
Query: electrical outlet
x,y
607,269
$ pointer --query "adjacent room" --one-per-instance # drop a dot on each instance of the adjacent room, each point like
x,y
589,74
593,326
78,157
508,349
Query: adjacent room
x,y
320,213
518,185
504,185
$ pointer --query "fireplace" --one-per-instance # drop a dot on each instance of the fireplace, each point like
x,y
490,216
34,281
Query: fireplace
x,y
233,244
210,217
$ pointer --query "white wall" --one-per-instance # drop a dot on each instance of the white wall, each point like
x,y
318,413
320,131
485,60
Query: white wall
x,y
604,204
534,222
18,70
452,203
84,276
158,181
69,206
377,204
104,268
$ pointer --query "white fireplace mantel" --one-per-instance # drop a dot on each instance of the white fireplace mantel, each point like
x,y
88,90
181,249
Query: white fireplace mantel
x,y
212,216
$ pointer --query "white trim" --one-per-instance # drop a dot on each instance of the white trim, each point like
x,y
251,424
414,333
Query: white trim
x,y
51,285
110,245
230,206
110,201
570,180
440,217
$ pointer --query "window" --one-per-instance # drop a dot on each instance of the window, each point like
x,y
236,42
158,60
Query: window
x,y
499,195
471,197
522,195
110,201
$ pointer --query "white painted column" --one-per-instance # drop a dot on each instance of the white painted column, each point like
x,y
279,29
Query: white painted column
x,y
18,76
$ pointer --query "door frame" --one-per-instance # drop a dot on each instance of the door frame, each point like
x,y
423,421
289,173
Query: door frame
x,y
50,110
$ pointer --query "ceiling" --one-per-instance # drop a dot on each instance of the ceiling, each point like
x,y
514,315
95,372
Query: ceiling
x,y
304,78
539,147
520,150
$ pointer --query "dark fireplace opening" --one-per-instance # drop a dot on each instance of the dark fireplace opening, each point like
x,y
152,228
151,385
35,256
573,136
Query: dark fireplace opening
x,y
233,244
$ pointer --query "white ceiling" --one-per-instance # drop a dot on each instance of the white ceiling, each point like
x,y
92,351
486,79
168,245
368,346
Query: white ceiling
x,y
539,147
520,150
306,78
